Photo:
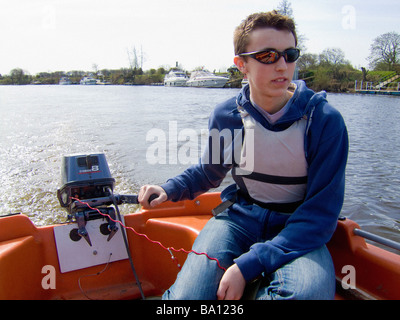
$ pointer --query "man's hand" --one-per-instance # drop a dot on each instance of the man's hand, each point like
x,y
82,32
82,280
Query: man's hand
x,y
232,284
146,191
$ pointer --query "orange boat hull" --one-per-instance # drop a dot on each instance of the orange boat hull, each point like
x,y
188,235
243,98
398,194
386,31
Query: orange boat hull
x,y
30,269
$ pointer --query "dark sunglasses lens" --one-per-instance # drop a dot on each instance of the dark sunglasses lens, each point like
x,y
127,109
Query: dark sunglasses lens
x,y
267,57
271,56
292,55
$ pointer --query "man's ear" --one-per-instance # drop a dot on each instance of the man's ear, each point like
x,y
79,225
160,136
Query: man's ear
x,y
240,64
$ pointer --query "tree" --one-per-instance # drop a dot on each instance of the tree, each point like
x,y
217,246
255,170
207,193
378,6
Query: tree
x,y
333,59
285,8
133,58
95,68
18,76
136,60
385,51
332,56
307,61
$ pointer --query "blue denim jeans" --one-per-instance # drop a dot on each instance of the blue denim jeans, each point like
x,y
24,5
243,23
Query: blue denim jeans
x,y
311,276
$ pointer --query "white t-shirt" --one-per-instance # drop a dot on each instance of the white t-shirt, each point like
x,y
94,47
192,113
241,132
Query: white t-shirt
x,y
273,118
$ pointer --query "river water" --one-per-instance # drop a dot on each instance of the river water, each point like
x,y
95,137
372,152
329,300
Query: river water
x,y
40,124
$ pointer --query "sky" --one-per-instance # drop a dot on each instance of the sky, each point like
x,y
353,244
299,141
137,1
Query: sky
x,y
65,35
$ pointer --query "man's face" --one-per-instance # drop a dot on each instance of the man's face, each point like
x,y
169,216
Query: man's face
x,y
268,80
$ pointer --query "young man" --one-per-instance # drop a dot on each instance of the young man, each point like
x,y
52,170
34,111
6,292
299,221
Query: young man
x,y
289,190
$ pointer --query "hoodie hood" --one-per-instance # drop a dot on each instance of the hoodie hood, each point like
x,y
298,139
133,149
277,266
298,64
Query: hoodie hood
x,y
301,104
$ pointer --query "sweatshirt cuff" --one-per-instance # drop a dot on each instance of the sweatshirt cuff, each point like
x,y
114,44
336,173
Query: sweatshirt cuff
x,y
249,265
169,187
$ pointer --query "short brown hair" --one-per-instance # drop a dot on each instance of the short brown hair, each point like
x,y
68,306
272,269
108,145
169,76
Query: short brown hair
x,y
260,20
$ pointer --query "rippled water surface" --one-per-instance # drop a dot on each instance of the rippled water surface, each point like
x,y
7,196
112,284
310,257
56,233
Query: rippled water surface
x,y
40,124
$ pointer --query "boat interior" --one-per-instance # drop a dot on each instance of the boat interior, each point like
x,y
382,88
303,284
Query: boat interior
x,y
31,263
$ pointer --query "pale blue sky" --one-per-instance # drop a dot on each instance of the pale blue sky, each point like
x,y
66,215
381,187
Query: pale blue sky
x,y
52,35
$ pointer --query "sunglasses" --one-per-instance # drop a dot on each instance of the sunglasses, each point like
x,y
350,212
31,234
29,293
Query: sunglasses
x,y
268,56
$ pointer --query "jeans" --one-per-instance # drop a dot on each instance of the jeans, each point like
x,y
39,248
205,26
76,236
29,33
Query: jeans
x,y
311,276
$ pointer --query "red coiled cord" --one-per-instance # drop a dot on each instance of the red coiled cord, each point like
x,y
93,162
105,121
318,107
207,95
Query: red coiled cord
x,y
169,249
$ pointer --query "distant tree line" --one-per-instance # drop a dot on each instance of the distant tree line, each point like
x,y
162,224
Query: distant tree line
x,y
16,76
330,70
135,76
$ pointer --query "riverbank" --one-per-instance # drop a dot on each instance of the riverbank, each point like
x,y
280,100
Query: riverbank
x,y
334,79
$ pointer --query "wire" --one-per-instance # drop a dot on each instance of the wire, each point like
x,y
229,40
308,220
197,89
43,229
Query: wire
x,y
92,275
126,245
169,249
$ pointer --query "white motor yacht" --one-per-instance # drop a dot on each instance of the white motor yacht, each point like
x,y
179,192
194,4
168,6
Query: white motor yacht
x,y
175,78
88,81
65,81
206,79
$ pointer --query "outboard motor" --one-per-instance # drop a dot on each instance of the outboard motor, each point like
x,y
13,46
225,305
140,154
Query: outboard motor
x,y
84,177
88,178
87,194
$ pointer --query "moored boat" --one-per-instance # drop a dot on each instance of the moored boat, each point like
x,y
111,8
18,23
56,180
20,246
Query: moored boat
x,y
176,78
88,81
206,79
65,81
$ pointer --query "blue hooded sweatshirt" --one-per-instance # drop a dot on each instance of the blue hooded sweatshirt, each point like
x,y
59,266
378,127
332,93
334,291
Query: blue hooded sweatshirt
x,y
312,224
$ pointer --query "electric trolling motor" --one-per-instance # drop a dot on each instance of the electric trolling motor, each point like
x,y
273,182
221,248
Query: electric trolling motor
x,y
88,178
